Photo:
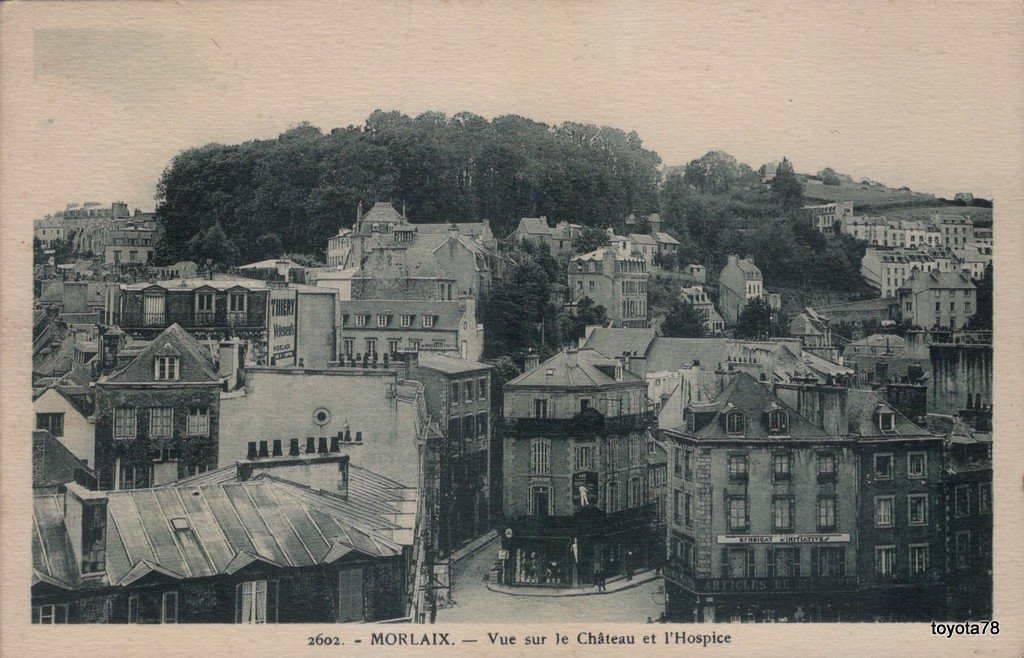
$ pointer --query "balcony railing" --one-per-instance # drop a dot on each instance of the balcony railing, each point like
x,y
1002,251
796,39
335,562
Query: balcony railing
x,y
581,424
195,319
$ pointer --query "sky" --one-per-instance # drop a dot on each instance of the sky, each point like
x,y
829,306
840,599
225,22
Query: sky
x,y
99,97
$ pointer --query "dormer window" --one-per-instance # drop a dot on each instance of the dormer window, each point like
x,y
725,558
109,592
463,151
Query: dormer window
x,y
428,321
406,320
690,420
886,421
360,320
734,423
778,422
382,320
165,368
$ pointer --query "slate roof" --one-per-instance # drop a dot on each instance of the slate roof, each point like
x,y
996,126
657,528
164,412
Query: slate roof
x,y
746,395
642,238
270,263
221,527
665,238
921,281
671,353
53,463
582,368
447,315
449,364
861,406
195,362
58,361
820,366
614,342
218,282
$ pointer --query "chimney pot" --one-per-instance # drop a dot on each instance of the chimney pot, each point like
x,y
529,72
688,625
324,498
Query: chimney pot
x,y
359,437
348,435
322,446
277,448
310,445
252,451
335,444
293,448
263,449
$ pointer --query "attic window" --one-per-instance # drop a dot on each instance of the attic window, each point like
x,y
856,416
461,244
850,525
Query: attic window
x,y
886,421
179,523
690,420
778,422
550,372
734,423
165,368
428,321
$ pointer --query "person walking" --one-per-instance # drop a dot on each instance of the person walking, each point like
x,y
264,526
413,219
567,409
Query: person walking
x,y
601,580
629,565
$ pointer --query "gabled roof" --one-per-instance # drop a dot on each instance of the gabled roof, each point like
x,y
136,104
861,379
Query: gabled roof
x,y
382,211
921,281
449,364
52,463
862,405
745,395
195,364
616,342
642,238
574,368
665,238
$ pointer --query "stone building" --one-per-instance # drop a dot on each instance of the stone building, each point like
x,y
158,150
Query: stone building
x,y
558,238
930,300
968,494
961,376
696,297
614,280
575,473
739,282
375,329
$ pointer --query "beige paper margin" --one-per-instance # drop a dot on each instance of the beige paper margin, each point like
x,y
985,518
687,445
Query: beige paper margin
x,y
1002,112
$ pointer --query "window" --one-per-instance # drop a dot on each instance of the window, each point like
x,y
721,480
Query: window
x,y
883,466
540,458
481,425
917,509
783,562
916,464
778,422
161,422
826,467
350,346
584,458
886,421
918,559
738,515
828,561
688,464
636,492
456,392
50,614
677,506
984,497
782,466
414,343
361,320
51,422
967,307
428,321
236,302
169,608
962,500
165,368
883,511
636,451
94,538
199,421
204,302
590,286
371,347
885,560
688,510
540,408
405,320
256,602
734,423
612,496
826,514
737,468
133,609
782,513
134,477
738,562
963,547
481,388
469,391
382,320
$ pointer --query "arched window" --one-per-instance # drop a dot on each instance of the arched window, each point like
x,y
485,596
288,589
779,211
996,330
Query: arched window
x,y
734,423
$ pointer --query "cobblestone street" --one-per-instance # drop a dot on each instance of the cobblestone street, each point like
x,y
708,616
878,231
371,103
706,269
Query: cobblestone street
x,y
474,603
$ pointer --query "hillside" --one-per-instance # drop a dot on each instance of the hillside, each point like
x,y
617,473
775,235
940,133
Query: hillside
x,y
863,195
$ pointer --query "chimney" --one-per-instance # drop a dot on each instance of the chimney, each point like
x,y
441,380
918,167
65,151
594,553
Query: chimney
x,y
324,471
293,448
263,449
453,231
251,454
111,345
228,357
310,445
85,518
322,445
336,443
532,361
733,260
277,448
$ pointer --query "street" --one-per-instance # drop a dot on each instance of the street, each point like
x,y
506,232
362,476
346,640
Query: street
x,y
475,603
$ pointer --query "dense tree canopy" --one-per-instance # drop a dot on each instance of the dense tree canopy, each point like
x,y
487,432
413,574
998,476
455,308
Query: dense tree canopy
x,y
755,321
683,321
304,185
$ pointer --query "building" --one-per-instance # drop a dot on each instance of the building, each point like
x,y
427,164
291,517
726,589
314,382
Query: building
x,y
53,465
973,261
763,520
210,307
157,417
370,414
827,218
966,197
956,231
739,282
296,538
887,269
129,242
457,393
814,331
575,473
275,269
696,297
613,280
968,495
64,409
558,238
961,377
183,269
935,299
372,329
883,358
697,272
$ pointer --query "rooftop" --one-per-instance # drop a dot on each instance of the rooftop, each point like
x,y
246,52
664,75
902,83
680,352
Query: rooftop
x,y
574,368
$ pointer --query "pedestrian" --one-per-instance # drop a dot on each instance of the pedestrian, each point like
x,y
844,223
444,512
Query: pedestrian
x,y
600,580
629,565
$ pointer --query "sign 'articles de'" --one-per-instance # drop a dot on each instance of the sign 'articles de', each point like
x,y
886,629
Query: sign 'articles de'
x,y
785,539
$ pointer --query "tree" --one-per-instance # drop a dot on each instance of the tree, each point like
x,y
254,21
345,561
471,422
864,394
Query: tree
x,y
683,321
829,176
268,245
785,188
589,239
982,318
214,245
755,321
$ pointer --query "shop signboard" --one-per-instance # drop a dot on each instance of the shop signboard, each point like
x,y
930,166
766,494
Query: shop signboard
x,y
819,538
584,489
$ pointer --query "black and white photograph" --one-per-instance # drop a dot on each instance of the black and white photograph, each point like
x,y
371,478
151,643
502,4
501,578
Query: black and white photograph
x,y
655,324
